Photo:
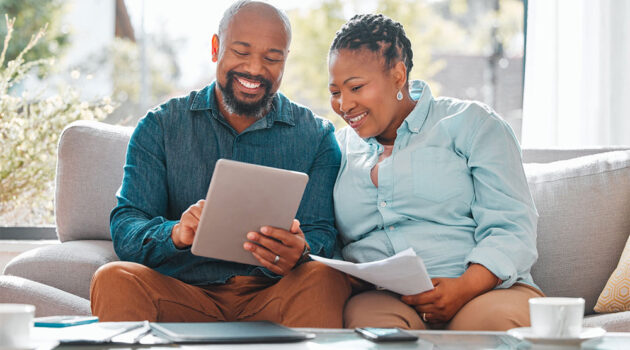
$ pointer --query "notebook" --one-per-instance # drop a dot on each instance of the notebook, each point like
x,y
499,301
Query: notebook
x,y
228,332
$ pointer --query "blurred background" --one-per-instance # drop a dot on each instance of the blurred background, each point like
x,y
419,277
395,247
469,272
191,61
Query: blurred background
x,y
112,60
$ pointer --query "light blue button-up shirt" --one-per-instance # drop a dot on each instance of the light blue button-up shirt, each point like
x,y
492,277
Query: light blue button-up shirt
x,y
454,189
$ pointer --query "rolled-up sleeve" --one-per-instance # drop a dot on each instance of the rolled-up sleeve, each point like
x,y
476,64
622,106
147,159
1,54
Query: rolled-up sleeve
x,y
502,207
140,231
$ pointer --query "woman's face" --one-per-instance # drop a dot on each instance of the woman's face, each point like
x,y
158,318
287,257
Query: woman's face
x,y
363,92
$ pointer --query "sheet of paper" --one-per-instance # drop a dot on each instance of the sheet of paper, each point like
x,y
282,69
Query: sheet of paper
x,y
403,273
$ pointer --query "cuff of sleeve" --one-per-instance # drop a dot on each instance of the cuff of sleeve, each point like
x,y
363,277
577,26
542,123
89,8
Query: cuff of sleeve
x,y
166,243
495,261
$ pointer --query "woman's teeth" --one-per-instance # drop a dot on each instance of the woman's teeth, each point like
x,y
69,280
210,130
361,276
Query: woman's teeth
x,y
358,117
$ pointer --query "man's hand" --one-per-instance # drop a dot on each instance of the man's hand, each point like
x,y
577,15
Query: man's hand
x,y
183,232
451,294
274,242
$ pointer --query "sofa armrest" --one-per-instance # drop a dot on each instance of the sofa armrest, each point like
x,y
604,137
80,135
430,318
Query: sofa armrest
x,y
66,266
548,155
48,301
90,164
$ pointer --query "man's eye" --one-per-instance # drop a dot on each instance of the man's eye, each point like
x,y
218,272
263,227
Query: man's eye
x,y
273,60
356,88
240,53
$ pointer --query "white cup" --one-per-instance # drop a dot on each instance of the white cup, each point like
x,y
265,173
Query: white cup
x,y
16,321
556,317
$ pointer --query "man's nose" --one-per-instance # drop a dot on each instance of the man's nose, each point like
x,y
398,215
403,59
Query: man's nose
x,y
254,65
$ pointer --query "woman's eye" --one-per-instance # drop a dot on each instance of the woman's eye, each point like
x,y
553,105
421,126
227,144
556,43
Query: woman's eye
x,y
356,88
334,93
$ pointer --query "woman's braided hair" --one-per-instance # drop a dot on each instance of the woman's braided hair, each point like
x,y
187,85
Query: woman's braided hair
x,y
376,33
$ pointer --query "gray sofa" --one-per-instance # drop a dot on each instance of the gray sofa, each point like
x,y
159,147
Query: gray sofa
x,y
582,196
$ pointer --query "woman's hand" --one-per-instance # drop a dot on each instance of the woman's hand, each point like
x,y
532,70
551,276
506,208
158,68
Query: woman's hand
x,y
449,295
442,303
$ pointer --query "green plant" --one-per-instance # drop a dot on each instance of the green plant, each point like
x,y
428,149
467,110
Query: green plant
x,y
30,123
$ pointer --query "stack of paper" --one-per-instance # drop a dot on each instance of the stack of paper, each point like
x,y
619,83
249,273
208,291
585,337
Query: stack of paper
x,y
403,273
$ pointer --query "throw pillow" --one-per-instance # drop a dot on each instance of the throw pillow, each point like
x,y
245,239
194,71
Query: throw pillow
x,y
616,294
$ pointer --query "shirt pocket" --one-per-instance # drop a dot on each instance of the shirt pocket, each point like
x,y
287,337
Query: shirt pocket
x,y
436,174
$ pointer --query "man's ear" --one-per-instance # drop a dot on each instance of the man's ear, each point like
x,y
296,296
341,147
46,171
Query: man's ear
x,y
399,72
215,48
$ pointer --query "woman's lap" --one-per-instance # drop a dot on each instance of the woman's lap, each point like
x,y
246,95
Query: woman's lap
x,y
499,310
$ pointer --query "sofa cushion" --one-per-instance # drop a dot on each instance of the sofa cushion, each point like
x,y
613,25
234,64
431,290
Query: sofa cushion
x,y
66,266
48,301
584,208
616,294
90,164
614,322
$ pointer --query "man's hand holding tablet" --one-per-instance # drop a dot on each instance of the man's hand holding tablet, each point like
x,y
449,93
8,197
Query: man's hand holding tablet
x,y
287,246
240,198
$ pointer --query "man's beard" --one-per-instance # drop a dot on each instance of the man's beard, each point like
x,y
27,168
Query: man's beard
x,y
233,105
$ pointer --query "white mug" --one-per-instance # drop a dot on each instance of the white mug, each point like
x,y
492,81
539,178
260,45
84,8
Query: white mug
x,y
556,317
16,321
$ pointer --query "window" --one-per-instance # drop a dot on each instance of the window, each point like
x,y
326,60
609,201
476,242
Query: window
x,y
137,53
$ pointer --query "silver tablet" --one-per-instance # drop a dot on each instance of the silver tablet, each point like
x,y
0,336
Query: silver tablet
x,y
243,197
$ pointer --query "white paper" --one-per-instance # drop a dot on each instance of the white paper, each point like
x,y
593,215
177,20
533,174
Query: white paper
x,y
403,273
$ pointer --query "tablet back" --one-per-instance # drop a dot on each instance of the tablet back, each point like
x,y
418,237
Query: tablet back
x,y
243,197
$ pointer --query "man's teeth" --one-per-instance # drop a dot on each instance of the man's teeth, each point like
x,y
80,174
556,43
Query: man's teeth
x,y
358,117
248,85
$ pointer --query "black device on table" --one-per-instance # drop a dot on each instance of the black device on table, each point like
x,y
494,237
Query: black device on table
x,y
385,334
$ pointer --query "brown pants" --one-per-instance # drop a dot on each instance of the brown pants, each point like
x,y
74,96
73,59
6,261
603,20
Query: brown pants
x,y
496,310
312,295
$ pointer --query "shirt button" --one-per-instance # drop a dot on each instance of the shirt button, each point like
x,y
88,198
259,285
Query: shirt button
x,y
383,204
415,129
391,228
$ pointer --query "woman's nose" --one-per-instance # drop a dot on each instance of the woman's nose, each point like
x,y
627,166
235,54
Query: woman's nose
x,y
345,104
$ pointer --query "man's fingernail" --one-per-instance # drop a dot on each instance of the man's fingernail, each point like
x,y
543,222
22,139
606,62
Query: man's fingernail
x,y
264,229
251,236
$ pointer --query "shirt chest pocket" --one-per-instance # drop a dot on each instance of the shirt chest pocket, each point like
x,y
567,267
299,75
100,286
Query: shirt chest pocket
x,y
437,174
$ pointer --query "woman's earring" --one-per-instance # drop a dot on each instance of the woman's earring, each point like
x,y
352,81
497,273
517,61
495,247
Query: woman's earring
x,y
399,96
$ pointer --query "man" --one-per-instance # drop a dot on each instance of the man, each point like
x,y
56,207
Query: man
x,y
170,160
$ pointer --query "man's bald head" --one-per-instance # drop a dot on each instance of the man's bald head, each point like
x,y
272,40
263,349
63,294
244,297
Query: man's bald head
x,y
259,7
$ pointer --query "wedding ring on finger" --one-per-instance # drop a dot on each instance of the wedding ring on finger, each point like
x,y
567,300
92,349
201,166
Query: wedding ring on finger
x,y
276,259
424,316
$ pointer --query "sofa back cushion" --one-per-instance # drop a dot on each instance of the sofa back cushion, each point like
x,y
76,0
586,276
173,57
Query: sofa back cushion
x,y
584,208
90,162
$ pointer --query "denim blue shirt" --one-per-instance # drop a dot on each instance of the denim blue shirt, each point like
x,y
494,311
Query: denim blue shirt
x,y
454,189
170,160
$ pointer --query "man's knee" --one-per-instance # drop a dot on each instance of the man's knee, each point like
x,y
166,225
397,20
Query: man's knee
x,y
112,273
120,276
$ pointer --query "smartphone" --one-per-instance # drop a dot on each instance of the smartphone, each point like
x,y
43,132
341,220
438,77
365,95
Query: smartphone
x,y
385,334
63,321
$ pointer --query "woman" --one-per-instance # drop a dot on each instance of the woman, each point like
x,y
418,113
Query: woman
x,y
440,175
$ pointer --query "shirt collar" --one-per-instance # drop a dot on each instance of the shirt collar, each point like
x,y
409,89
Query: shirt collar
x,y
420,92
280,111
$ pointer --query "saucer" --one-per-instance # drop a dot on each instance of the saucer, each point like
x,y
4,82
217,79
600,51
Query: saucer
x,y
526,333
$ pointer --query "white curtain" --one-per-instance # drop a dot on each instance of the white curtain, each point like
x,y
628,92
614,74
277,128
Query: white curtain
x,y
577,74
